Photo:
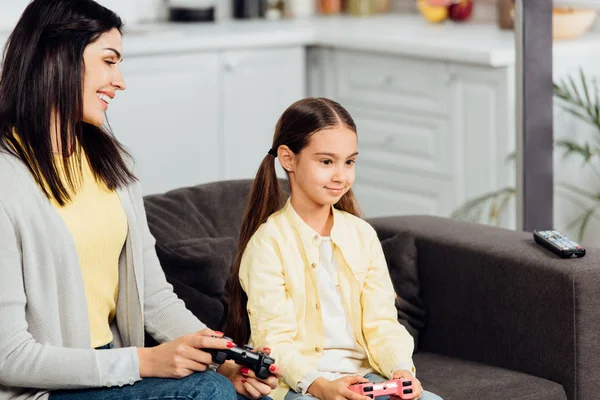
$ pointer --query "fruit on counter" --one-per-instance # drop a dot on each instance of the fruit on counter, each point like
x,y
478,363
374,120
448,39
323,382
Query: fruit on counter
x,y
460,10
439,2
431,13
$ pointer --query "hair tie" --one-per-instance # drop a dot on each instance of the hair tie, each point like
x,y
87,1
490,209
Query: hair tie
x,y
273,153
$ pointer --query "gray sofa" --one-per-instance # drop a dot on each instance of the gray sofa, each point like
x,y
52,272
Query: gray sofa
x,y
502,317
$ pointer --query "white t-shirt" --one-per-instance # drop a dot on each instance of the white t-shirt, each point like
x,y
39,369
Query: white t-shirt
x,y
342,355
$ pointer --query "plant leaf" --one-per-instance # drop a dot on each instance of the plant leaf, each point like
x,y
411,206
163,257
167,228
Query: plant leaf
x,y
571,148
581,192
588,102
585,221
473,209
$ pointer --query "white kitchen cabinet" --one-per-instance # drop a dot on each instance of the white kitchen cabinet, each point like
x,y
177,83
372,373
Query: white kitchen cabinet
x,y
169,118
258,85
431,134
196,118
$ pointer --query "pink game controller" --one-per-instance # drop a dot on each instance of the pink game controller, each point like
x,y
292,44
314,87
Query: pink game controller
x,y
397,387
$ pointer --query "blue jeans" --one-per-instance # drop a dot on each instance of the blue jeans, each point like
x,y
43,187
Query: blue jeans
x,y
291,395
198,386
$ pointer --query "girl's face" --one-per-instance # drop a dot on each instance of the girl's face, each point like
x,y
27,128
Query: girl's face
x,y
102,76
324,170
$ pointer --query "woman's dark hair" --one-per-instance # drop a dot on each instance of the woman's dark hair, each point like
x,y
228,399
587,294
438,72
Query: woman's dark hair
x,y
294,130
41,87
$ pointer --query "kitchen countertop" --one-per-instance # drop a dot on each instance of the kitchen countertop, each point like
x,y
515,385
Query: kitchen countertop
x,y
408,35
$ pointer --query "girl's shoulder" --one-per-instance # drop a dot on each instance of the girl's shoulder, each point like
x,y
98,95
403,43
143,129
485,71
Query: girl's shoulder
x,y
345,221
272,228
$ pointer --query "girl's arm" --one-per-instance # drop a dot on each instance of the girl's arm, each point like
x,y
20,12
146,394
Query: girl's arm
x,y
389,342
270,308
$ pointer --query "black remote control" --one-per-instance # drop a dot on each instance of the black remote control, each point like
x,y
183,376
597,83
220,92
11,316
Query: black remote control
x,y
558,243
246,356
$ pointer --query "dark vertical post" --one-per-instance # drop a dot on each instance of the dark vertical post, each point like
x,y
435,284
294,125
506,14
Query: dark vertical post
x,y
535,191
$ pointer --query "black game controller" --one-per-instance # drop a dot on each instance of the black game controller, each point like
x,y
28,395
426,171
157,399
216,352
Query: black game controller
x,y
257,361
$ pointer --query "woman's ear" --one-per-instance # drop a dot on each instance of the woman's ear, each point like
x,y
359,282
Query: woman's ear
x,y
286,158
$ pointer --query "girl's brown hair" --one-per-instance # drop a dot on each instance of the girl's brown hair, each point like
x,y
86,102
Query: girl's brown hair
x,y
294,130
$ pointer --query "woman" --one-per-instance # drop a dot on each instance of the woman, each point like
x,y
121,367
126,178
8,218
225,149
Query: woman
x,y
80,282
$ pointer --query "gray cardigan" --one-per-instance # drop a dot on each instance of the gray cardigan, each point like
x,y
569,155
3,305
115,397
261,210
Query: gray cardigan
x,y
44,328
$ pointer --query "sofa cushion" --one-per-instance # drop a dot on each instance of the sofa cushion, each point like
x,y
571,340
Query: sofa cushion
x,y
453,378
401,256
198,269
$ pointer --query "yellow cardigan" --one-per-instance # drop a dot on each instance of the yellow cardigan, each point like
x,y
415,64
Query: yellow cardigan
x,y
277,272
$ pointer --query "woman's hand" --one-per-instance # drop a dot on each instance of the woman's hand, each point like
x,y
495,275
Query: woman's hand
x,y
416,384
323,389
245,381
181,357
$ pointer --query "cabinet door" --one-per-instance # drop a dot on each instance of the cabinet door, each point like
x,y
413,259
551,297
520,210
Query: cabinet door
x,y
258,85
405,163
483,128
168,119
392,82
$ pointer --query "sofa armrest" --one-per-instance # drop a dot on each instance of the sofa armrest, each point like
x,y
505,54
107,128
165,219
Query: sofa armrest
x,y
494,296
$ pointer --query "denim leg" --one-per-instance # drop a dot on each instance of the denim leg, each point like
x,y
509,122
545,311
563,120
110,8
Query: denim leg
x,y
425,395
198,386
429,396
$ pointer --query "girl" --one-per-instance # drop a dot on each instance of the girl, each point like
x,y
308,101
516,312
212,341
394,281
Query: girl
x,y
310,279
80,280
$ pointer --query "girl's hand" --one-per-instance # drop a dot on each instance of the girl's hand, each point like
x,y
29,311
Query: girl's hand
x,y
245,381
337,389
416,384
181,357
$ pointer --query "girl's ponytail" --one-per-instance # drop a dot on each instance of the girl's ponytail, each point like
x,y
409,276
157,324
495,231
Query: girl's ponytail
x,y
265,198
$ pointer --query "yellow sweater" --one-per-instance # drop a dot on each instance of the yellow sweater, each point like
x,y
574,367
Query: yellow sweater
x,y
277,272
97,221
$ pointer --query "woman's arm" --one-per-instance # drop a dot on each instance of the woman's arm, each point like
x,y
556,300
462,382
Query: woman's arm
x,y
389,342
29,364
270,309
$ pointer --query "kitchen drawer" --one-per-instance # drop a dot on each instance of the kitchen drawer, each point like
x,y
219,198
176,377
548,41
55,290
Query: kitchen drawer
x,y
401,141
392,82
382,192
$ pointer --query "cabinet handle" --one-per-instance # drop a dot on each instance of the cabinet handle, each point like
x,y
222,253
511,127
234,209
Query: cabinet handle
x,y
387,80
229,65
388,142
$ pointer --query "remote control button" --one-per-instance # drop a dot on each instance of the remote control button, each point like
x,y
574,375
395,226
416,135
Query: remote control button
x,y
248,347
368,389
406,383
407,391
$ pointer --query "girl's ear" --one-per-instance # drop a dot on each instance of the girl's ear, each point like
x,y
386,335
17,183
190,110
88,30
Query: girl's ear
x,y
286,158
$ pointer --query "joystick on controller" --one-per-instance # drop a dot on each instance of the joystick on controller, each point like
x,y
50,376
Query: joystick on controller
x,y
398,387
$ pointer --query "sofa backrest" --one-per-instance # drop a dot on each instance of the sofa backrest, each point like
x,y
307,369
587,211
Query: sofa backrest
x,y
208,210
